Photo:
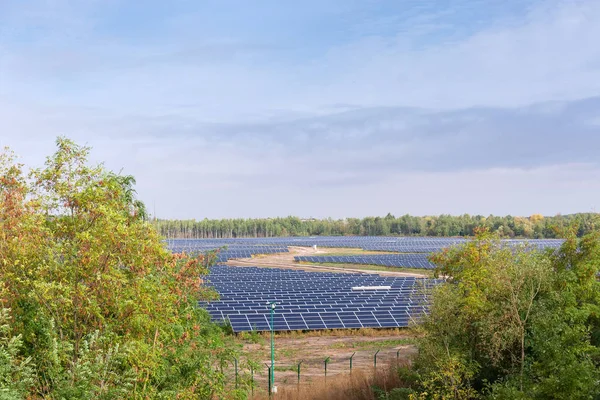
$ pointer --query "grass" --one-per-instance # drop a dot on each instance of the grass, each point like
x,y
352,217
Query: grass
x,y
374,345
252,337
287,352
358,386
343,332
284,368
368,267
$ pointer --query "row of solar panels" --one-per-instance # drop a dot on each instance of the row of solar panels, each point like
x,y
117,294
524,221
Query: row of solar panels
x,y
189,247
313,300
324,320
229,252
388,260
420,248
377,243
223,275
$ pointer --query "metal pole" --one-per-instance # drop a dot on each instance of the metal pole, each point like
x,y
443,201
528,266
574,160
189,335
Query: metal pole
x,y
351,357
236,372
270,388
272,374
375,359
252,379
398,356
299,364
326,361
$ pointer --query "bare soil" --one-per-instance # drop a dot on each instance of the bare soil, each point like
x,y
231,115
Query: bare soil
x,y
286,260
313,350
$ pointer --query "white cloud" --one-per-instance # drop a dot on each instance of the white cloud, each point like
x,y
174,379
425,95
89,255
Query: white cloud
x,y
228,126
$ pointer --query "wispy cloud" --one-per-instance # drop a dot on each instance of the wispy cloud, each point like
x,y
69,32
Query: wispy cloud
x,y
335,108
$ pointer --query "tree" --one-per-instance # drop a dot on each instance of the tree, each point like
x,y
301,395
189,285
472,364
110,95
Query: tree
x,y
513,322
101,308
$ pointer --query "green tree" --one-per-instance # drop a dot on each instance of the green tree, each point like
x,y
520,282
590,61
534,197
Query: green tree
x,y
513,323
100,307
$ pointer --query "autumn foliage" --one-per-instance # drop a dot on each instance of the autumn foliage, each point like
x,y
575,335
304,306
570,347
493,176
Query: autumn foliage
x,y
93,304
513,323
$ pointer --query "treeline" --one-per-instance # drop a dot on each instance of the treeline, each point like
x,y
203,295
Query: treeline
x,y
533,227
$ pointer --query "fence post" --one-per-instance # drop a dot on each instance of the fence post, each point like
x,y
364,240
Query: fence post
x,y
397,356
235,361
269,369
351,357
375,359
252,379
299,364
326,361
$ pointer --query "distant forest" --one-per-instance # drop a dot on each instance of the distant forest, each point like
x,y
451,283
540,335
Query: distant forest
x,y
535,226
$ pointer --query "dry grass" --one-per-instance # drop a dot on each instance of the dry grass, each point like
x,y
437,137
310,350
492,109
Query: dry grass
x,y
374,345
357,386
370,332
368,267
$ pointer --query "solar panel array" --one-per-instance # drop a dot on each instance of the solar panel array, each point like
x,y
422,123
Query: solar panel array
x,y
418,260
378,243
226,250
313,300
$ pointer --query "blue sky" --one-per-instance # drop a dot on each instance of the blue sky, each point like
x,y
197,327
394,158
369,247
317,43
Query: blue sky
x,y
315,108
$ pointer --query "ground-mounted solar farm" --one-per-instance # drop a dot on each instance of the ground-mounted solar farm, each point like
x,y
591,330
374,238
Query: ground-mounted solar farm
x,y
313,300
247,247
317,300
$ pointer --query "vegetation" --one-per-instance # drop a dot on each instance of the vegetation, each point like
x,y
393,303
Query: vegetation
x,y
361,345
512,324
92,305
534,227
508,324
384,384
368,267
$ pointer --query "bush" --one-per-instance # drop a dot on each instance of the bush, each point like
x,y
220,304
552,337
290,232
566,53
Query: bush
x,y
98,307
513,323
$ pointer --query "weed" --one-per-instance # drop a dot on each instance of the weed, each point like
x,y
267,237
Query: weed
x,y
284,368
358,386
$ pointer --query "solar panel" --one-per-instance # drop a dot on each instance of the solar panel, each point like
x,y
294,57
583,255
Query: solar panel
x,y
247,247
311,300
319,300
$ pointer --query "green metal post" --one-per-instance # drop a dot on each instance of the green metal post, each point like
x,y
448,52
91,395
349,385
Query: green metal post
x,y
375,359
299,364
326,361
398,356
272,369
351,357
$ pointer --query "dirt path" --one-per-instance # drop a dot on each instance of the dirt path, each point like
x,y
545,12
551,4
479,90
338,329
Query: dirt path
x,y
286,260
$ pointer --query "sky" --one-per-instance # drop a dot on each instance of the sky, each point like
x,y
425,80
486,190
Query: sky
x,y
335,108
